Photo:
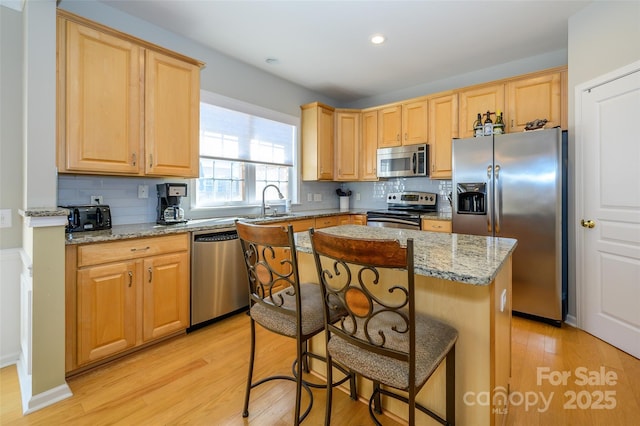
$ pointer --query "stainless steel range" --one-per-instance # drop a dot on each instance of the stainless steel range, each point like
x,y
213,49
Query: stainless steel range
x,y
404,210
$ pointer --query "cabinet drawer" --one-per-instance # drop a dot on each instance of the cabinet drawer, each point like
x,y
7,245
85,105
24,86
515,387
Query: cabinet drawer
x,y
325,222
436,225
303,224
94,254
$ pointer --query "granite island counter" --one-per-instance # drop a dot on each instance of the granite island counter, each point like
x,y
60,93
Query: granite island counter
x,y
465,281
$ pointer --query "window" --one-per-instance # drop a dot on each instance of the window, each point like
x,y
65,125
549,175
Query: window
x,y
243,148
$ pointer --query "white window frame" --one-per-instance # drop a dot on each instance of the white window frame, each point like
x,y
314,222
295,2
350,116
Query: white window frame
x,y
247,108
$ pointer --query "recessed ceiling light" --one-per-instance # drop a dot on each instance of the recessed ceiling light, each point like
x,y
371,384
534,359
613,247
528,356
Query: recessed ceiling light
x,y
272,61
377,39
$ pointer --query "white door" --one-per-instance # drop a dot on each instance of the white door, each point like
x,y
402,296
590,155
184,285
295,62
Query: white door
x,y
608,208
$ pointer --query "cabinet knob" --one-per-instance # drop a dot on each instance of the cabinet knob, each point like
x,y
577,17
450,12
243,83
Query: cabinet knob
x,y
130,278
133,158
150,274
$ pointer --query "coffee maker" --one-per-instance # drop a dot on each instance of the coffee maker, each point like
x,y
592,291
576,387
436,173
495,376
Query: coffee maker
x,y
169,210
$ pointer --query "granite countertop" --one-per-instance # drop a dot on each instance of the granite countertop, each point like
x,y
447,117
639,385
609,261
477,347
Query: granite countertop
x,y
468,259
122,232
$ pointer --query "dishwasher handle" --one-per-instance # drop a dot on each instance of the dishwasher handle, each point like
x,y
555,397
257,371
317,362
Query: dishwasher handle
x,y
216,237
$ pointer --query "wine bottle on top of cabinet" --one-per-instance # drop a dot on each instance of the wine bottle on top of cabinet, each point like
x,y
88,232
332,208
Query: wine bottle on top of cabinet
x,y
488,125
478,129
498,126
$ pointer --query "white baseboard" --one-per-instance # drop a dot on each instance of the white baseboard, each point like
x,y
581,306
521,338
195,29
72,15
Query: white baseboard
x,y
31,403
571,320
9,359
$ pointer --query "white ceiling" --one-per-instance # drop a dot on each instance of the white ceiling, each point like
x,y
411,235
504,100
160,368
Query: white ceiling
x,y
324,45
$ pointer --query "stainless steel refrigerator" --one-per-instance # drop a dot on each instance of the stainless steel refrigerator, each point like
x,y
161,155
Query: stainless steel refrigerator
x,y
513,185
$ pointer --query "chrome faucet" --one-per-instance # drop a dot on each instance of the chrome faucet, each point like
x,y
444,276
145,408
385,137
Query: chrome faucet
x,y
264,208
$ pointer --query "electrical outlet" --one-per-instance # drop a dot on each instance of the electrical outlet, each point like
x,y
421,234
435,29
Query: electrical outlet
x,y
317,197
357,196
96,199
5,218
309,197
143,191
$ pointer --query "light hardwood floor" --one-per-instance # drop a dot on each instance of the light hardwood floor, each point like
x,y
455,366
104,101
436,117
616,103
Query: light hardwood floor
x,y
199,379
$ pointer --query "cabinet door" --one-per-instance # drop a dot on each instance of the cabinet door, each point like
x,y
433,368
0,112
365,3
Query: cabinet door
x,y
101,113
347,145
106,310
172,116
414,122
389,126
479,100
317,142
165,295
443,126
533,98
359,219
369,146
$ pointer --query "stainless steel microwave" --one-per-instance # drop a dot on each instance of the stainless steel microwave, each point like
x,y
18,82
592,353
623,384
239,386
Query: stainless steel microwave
x,y
403,161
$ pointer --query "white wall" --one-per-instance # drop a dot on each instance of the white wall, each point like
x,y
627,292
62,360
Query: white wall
x,y
603,36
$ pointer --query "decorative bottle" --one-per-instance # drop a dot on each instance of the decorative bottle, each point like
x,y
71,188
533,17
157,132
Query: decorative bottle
x,y
488,125
498,127
478,130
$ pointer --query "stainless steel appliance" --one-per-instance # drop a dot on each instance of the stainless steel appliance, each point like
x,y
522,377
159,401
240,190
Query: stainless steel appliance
x,y
169,210
404,210
403,161
218,276
512,186
88,218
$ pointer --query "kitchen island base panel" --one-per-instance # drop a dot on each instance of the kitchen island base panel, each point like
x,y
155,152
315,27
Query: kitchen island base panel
x,y
482,316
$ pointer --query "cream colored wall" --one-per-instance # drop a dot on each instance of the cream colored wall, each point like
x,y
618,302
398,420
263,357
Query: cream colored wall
x,y
48,307
10,123
603,36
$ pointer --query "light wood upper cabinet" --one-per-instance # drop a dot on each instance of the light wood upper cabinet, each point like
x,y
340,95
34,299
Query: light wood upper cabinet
x,y
100,101
172,116
414,122
403,124
369,146
347,144
443,126
476,100
124,106
317,141
533,98
390,126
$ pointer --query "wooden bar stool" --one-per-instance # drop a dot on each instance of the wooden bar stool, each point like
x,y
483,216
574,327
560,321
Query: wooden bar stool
x,y
380,335
283,305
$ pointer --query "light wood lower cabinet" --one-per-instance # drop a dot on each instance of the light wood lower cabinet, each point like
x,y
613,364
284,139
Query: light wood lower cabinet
x,y
359,219
436,225
123,295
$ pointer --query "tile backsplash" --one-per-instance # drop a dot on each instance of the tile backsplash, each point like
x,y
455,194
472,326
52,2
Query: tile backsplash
x,y
121,194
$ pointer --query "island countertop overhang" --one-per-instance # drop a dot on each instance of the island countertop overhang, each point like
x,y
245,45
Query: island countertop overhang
x,y
468,259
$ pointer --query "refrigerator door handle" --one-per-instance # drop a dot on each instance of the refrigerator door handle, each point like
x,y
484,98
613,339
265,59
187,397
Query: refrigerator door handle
x,y
489,199
497,200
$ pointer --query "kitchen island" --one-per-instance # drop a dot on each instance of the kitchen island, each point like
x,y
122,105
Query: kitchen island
x,y
465,281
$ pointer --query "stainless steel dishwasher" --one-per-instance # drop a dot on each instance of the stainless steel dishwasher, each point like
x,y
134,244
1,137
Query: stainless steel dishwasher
x,y
218,276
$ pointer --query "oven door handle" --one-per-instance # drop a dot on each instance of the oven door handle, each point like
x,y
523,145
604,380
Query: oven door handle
x,y
393,220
